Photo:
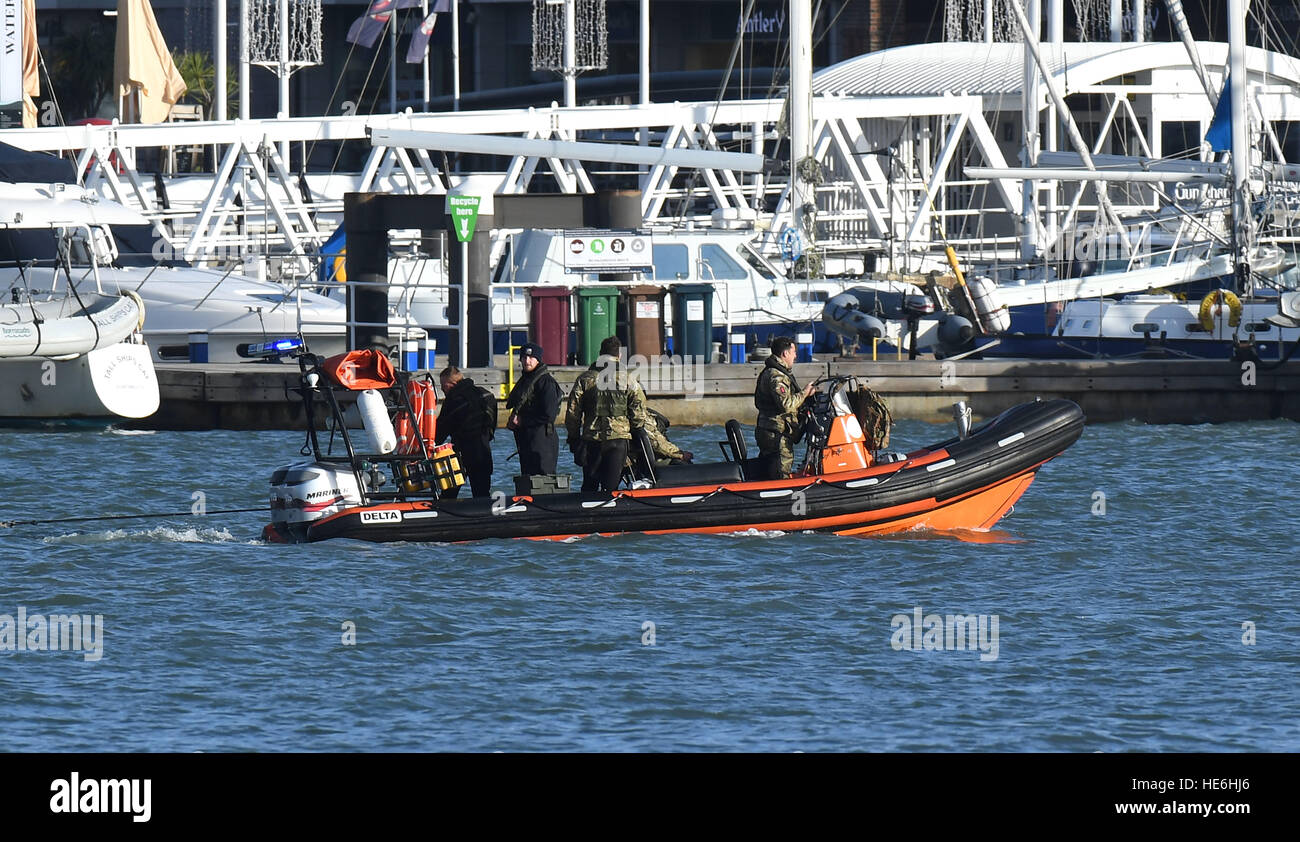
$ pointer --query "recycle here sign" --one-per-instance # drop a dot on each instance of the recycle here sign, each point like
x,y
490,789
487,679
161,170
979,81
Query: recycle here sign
x,y
464,215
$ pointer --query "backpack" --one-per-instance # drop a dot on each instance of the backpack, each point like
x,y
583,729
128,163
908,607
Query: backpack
x,y
487,410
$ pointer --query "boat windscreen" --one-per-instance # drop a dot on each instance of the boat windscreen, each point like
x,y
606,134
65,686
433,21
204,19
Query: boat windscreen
x,y
142,245
23,245
760,265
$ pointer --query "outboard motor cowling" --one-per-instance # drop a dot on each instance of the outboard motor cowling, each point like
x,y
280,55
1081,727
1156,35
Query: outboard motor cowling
x,y
1288,310
305,492
917,306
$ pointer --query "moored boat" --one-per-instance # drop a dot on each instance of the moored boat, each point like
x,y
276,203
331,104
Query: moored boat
x,y
847,485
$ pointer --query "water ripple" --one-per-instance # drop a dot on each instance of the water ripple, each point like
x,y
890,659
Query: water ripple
x,y
1145,591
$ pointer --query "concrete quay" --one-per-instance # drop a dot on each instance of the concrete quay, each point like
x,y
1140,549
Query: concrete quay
x,y
255,395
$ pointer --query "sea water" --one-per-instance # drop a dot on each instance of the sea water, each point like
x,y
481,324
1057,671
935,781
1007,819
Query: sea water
x,y
1142,596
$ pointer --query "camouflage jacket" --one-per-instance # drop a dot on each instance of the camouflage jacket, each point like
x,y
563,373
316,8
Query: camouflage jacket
x,y
777,397
605,404
665,451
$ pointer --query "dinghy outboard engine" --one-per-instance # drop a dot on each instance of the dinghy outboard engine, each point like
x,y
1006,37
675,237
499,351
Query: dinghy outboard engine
x,y
305,492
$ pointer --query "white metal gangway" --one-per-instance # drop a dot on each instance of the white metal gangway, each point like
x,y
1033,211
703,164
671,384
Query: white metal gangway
x,y
254,202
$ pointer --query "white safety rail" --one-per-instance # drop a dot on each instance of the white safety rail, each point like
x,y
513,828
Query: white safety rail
x,y
254,203
891,176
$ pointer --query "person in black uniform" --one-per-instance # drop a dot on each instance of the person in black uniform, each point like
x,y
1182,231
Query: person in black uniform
x,y
534,404
469,418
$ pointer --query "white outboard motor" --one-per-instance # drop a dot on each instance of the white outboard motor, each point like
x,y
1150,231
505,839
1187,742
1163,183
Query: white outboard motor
x,y
308,491
988,306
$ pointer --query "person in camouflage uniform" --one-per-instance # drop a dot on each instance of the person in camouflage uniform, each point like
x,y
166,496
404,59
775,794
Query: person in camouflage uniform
x,y
662,450
777,397
665,452
604,408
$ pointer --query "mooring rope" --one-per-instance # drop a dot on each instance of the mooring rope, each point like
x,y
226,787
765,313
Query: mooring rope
x,y
188,513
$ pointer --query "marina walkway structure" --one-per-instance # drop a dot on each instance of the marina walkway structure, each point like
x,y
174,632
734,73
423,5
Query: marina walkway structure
x,y
892,135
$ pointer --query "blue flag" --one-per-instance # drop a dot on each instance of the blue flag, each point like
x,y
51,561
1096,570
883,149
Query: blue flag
x,y
1219,135
365,30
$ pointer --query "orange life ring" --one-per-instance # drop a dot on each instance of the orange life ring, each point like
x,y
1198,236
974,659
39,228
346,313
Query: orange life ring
x,y
424,405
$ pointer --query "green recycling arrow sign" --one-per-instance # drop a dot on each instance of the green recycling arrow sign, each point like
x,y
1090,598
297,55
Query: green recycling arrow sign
x,y
464,215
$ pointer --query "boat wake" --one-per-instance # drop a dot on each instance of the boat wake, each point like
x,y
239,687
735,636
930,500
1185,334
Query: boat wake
x,y
118,432
158,535
967,536
756,533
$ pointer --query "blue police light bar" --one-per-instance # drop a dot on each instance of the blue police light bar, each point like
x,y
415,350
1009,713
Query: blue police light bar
x,y
267,350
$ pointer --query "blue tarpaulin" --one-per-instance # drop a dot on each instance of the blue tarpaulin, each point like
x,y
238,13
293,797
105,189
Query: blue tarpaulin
x,y
332,254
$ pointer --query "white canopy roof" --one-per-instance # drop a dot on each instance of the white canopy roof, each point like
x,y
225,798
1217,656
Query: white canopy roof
x,y
998,68
60,205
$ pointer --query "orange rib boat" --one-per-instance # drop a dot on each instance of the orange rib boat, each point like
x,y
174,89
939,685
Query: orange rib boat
x,y
967,482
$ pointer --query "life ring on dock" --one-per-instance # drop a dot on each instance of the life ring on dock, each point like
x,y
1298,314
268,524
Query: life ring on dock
x,y
1212,306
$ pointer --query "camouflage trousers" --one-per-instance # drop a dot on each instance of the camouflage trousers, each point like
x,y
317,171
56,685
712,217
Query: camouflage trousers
x,y
776,451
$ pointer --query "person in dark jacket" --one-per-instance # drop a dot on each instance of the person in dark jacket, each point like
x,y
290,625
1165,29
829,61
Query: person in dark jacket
x,y
534,404
469,418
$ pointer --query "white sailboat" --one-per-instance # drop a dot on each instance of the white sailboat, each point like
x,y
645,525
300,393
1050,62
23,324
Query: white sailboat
x,y
69,349
59,241
1247,318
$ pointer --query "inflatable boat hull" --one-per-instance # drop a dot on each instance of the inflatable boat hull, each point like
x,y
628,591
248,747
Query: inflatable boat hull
x,y
958,484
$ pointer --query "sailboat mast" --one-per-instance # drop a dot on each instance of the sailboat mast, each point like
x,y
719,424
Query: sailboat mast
x,y
1240,139
802,193
1179,20
1032,138
219,63
244,92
